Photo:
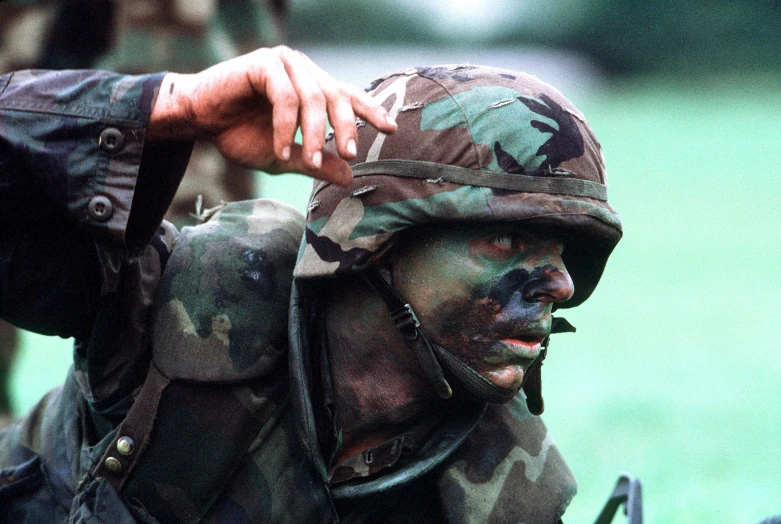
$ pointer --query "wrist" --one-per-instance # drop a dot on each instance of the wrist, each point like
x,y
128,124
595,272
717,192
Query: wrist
x,y
172,116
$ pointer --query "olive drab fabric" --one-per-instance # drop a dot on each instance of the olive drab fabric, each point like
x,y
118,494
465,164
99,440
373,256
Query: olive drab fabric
x,y
527,152
210,328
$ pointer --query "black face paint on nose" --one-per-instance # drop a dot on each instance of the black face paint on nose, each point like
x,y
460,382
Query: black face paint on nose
x,y
501,289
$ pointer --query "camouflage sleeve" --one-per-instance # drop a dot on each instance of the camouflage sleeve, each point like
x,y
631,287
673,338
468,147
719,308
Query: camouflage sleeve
x,y
80,193
72,148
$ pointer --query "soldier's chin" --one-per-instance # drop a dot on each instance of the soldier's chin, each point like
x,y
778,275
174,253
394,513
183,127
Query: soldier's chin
x,y
507,377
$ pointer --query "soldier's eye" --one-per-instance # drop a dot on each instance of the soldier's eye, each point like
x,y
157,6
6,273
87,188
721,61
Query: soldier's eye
x,y
503,242
513,243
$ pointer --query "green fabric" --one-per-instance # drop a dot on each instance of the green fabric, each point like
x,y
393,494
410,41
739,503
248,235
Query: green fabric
x,y
459,175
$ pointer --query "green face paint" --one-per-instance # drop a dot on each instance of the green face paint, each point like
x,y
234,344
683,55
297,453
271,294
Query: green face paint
x,y
484,292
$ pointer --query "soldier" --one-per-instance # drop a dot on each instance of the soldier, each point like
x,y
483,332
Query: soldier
x,y
460,235
136,37
421,304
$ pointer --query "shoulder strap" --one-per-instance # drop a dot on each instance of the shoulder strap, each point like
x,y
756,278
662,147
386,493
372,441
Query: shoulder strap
x,y
132,438
177,449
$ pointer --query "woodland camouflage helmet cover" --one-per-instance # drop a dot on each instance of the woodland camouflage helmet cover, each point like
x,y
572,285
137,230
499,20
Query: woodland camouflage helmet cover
x,y
476,144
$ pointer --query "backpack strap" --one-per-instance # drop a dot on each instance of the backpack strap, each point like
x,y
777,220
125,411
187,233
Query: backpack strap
x,y
176,451
132,438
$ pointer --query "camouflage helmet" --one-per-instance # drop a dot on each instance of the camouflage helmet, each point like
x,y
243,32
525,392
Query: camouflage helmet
x,y
477,144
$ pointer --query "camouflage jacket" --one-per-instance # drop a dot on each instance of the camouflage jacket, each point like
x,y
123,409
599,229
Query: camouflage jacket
x,y
145,36
83,254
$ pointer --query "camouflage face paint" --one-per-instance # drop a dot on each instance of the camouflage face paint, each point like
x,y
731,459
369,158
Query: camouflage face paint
x,y
484,292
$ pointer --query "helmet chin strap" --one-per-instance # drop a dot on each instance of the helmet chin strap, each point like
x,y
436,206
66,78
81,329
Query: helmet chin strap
x,y
433,357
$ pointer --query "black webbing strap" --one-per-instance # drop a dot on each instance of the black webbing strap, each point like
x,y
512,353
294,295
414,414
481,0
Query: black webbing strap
x,y
532,379
473,381
188,437
119,460
553,183
409,327
532,382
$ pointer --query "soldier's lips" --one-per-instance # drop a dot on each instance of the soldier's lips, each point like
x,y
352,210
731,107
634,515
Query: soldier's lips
x,y
526,347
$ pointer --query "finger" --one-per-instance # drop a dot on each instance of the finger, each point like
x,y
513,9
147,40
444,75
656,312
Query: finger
x,y
333,169
370,110
342,117
339,108
312,108
361,103
285,107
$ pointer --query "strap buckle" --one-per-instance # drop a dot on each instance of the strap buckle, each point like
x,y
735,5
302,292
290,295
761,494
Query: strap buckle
x,y
406,322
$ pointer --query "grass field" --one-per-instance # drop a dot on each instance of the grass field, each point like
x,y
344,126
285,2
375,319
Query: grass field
x,y
674,374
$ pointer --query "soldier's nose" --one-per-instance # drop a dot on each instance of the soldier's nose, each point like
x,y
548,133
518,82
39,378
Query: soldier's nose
x,y
549,284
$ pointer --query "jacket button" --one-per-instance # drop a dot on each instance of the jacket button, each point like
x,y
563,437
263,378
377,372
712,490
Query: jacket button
x,y
111,139
113,465
126,446
100,208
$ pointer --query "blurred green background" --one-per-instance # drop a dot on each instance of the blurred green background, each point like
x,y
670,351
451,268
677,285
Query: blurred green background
x,y
673,375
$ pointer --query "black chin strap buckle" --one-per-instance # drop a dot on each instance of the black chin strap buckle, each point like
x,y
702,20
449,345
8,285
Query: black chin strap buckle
x,y
406,322
409,327
532,381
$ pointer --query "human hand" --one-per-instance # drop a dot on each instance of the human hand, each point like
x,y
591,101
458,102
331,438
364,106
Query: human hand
x,y
252,105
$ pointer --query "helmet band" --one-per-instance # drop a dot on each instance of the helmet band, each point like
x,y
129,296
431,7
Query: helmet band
x,y
552,182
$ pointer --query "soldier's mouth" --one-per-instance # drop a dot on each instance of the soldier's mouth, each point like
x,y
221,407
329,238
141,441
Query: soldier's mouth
x,y
511,357
525,347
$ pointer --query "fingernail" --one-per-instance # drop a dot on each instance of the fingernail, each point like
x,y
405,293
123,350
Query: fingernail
x,y
351,147
286,153
389,119
317,159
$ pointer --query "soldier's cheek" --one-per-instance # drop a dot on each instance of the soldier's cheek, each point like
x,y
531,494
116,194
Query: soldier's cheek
x,y
467,328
